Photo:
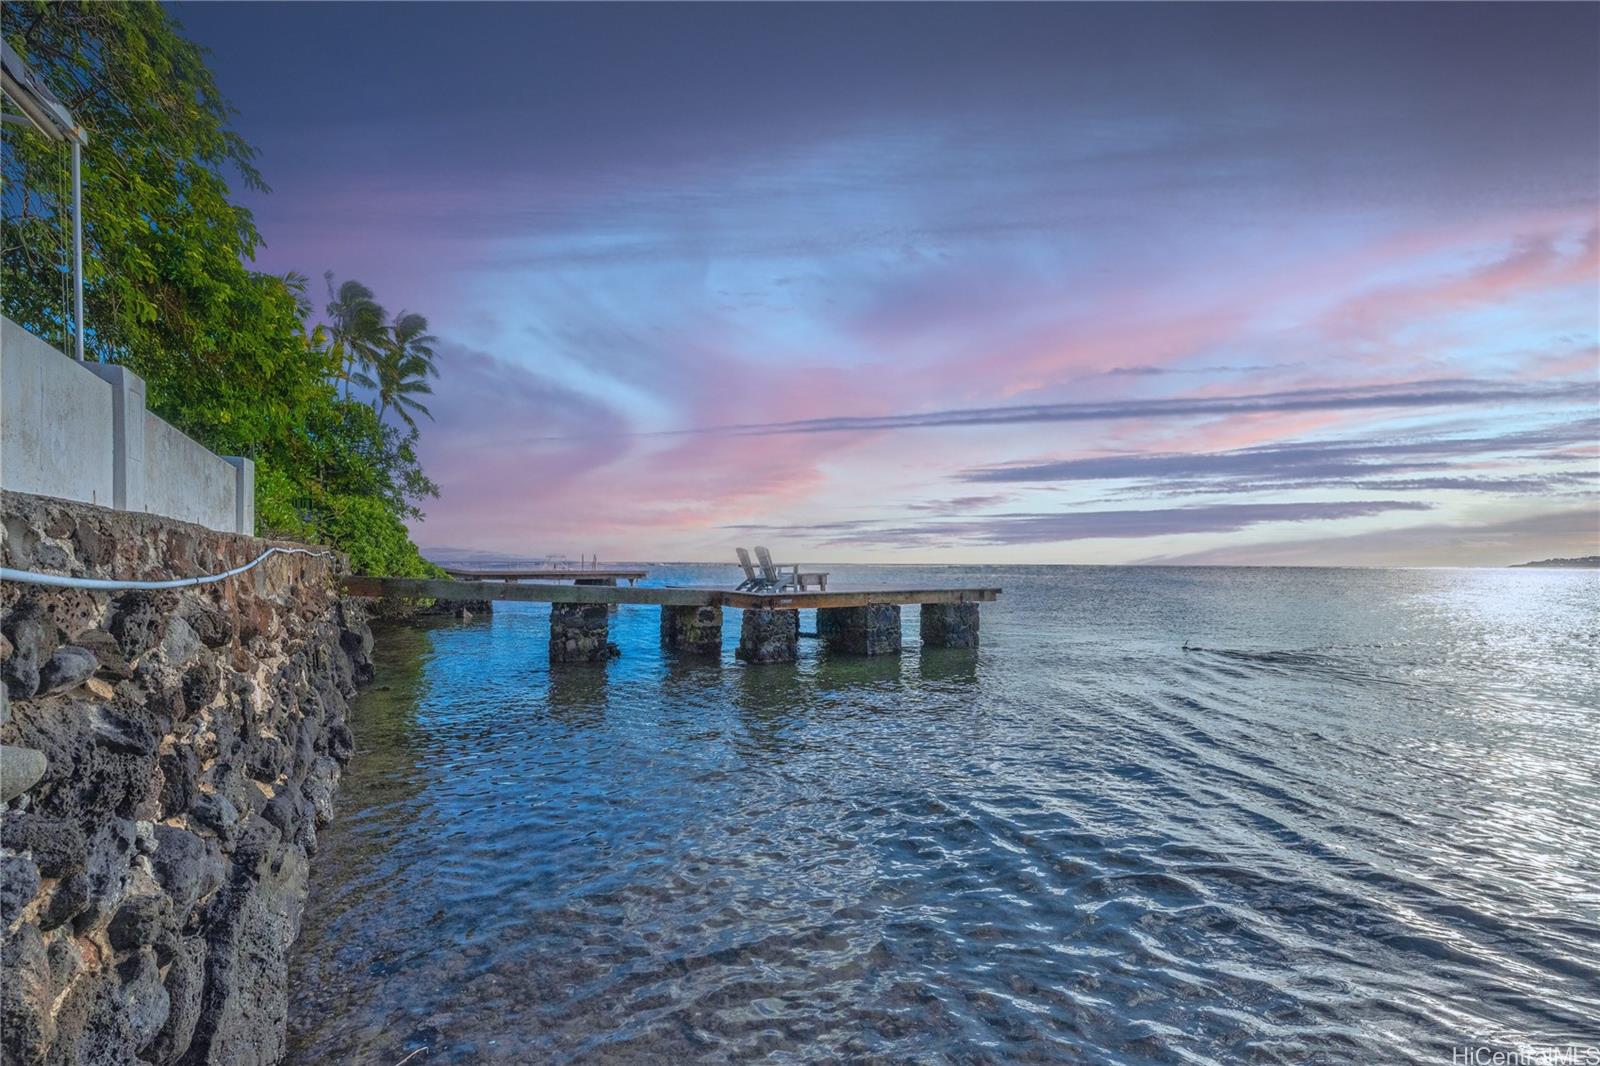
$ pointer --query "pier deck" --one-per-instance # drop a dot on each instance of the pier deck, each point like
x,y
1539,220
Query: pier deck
x,y
851,621
665,596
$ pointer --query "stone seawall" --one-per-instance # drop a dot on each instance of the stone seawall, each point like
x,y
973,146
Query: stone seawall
x,y
176,752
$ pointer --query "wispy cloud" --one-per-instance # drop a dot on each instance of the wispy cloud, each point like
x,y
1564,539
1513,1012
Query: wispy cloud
x,y
959,504
1047,528
1443,392
1541,535
1301,464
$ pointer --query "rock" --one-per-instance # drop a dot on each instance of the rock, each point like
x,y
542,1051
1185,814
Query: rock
x,y
33,639
259,845
107,651
110,855
144,837
121,734
27,1025
68,666
141,999
19,883
319,787
20,770
355,638
70,899
139,921
94,546
264,758
65,960
181,643
245,1003
180,773
51,557
209,622
57,845
201,683
138,622
218,814
287,810
341,742
185,866
185,981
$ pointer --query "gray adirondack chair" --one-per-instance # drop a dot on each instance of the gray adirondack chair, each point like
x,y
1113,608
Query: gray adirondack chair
x,y
752,581
776,578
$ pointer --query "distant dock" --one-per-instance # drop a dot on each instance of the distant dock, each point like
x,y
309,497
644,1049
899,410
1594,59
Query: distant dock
x,y
581,576
852,621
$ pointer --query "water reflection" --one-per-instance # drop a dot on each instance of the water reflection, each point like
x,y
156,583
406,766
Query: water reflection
x,y
836,673
948,665
576,695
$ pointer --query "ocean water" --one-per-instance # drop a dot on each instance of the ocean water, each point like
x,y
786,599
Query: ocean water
x,y
1358,820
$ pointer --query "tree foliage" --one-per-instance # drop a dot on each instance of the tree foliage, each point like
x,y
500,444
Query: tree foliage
x,y
228,354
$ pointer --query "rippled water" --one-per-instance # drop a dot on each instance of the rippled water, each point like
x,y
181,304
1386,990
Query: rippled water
x,y
1358,823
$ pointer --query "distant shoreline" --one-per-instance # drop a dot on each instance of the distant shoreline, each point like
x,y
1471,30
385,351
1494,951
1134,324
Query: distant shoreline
x,y
1586,562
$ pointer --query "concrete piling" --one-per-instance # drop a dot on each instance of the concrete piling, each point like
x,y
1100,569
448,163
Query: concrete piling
x,y
950,625
769,635
870,630
692,630
579,633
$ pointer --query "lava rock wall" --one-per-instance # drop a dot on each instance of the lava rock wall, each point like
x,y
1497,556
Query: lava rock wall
x,y
169,756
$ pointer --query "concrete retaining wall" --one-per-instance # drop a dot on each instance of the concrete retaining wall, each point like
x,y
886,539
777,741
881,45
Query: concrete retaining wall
x,y
55,421
80,431
185,481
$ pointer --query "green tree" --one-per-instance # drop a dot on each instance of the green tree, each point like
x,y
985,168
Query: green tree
x,y
227,352
356,329
164,244
403,367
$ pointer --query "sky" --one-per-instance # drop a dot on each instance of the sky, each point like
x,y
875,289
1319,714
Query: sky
x,y
1014,284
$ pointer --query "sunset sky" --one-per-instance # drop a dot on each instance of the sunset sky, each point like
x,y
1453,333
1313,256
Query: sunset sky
x,y
1073,283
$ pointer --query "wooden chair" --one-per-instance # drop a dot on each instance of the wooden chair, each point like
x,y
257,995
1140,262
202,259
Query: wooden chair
x,y
776,578
751,581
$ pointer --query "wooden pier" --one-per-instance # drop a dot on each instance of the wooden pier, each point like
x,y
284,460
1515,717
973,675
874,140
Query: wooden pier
x,y
864,621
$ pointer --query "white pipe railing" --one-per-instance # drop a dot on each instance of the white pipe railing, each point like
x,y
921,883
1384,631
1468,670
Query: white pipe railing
x,y
66,581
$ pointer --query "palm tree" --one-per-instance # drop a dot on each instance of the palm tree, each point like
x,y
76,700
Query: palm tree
x,y
356,329
403,366
296,284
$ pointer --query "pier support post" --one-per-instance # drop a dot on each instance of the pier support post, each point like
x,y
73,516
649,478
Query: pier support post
x,y
692,630
870,630
611,582
578,633
950,625
769,635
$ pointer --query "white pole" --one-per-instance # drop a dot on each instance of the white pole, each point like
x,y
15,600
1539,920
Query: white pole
x,y
77,250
